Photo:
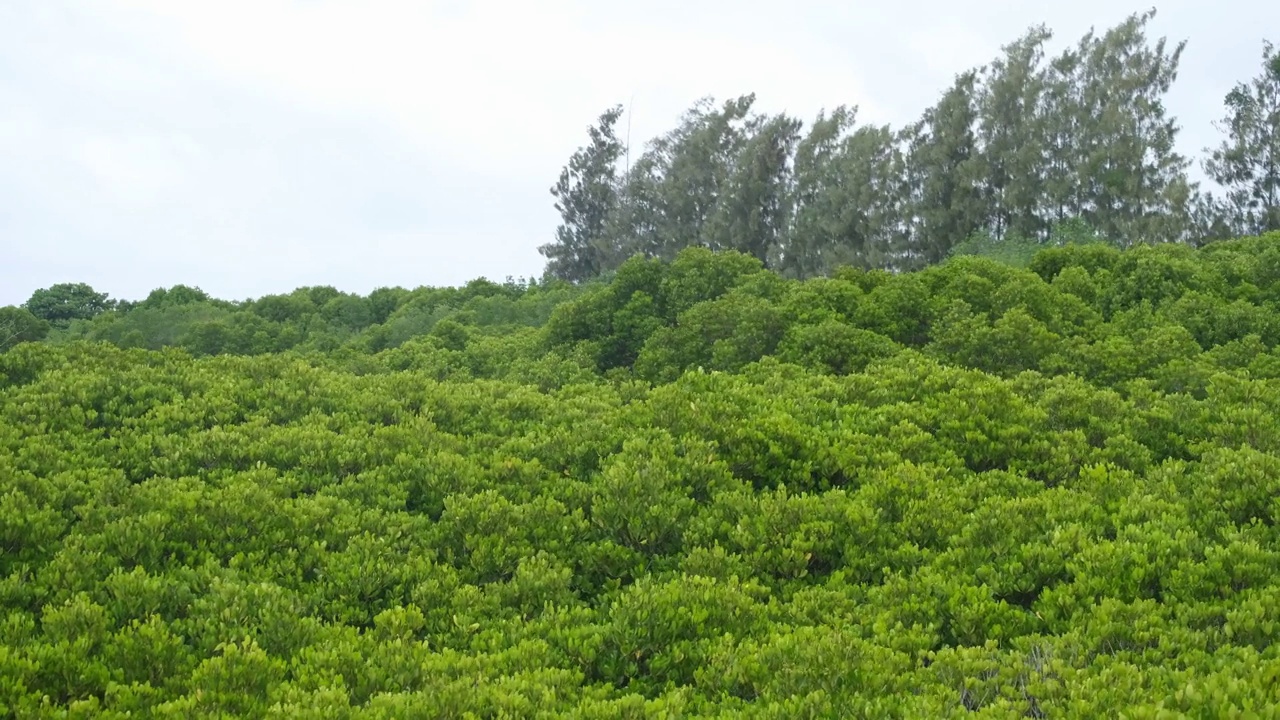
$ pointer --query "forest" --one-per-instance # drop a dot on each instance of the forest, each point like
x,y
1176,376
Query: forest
x,y
1026,150
695,489
899,430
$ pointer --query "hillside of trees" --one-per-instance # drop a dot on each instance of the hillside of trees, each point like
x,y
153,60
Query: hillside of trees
x,y
976,417
1027,150
695,488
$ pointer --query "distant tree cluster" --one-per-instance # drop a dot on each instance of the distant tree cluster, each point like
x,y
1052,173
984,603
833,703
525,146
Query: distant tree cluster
x,y
310,319
53,307
1011,153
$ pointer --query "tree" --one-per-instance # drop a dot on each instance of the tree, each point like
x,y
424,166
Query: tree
x,y
1011,140
870,200
1060,121
586,194
186,295
1133,183
19,325
60,304
847,188
1211,218
1247,163
673,190
812,237
702,164
753,213
948,206
638,224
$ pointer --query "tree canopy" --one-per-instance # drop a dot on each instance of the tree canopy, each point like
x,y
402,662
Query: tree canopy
x,y
1010,152
697,488
836,420
60,304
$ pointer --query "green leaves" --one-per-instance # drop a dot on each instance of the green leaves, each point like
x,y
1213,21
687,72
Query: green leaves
x,y
1247,162
660,632
586,195
64,302
701,489
643,498
18,325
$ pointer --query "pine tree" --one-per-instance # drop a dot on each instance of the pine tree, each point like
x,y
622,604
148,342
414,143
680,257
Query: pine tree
x,y
754,209
586,195
637,224
674,189
1011,139
1247,163
1134,184
943,150
813,234
847,198
1060,120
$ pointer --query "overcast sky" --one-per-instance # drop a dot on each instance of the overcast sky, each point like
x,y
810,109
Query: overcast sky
x,y
254,147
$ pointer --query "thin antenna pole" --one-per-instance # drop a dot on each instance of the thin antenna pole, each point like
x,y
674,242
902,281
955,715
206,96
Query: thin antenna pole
x,y
630,104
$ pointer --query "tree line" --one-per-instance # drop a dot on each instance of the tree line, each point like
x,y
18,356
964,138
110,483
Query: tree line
x,y
309,319
1027,150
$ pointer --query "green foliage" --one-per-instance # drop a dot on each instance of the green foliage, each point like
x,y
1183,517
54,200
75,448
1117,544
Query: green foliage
x,y
1024,151
64,302
1247,162
586,194
18,325
174,296
1011,250
695,488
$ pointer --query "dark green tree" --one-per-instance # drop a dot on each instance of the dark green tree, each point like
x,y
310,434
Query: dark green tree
x,y
948,206
586,194
186,295
1060,121
1133,182
1011,138
638,224
385,301
847,197
1247,163
20,325
754,211
673,190
60,304
1211,218
814,232
703,161
871,196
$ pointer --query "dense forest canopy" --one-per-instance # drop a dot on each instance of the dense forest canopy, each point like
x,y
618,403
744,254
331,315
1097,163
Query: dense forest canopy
x,y
1018,152
973,416
697,488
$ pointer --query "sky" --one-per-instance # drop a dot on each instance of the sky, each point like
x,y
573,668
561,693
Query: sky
x,y
253,147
